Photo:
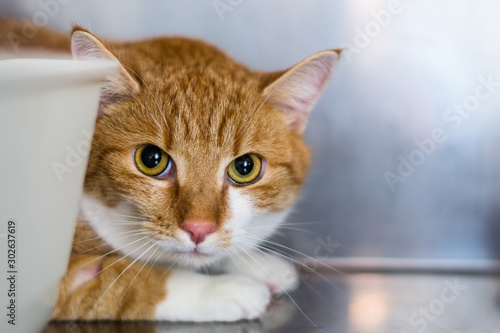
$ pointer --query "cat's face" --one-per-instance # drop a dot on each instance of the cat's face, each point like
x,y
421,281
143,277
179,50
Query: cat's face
x,y
193,153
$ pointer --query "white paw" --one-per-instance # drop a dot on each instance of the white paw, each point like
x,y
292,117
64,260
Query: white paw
x,y
278,274
200,298
234,297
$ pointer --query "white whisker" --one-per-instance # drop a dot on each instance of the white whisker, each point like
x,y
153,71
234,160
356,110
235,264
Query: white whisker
x,y
116,279
140,270
263,251
301,264
139,232
115,233
108,253
154,263
119,223
123,215
287,293
266,241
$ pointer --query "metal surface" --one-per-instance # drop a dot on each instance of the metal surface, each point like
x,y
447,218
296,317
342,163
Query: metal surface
x,y
357,303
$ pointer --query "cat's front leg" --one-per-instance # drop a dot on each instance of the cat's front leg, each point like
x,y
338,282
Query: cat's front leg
x,y
279,274
116,288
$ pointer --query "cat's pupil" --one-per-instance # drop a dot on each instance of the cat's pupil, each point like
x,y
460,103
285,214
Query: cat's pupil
x,y
151,156
244,164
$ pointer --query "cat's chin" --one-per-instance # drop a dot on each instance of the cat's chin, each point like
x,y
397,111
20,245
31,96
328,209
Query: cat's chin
x,y
191,259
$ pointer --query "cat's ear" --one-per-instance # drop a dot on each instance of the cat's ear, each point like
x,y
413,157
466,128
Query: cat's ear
x,y
296,90
85,46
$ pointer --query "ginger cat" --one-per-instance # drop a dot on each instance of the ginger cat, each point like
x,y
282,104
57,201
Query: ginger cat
x,y
195,160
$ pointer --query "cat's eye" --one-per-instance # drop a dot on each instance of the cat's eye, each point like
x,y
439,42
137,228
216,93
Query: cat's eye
x,y
245,169
152,160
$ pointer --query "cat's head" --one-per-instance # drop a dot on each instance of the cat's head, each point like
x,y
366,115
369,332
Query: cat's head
x,y
192,151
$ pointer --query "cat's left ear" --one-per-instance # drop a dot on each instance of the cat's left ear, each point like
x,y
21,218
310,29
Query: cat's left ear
x,y
85,46
297,89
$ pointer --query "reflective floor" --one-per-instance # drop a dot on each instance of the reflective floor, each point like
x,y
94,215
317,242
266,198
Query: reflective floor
x,y
357,303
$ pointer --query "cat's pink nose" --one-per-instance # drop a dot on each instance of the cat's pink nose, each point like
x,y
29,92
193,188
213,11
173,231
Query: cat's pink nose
x,y
198,229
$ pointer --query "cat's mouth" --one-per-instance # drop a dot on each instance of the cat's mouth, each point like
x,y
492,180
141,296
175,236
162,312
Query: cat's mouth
x,y
193,253
193,258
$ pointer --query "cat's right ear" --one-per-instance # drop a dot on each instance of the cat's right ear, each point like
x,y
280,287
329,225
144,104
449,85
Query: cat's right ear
x,y
85,46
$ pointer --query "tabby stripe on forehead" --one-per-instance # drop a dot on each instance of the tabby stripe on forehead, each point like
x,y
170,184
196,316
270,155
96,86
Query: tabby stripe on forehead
x,y
185,123
237,141
221,130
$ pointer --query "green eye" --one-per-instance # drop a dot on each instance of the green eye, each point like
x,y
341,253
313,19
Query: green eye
x,y
151,160
245,169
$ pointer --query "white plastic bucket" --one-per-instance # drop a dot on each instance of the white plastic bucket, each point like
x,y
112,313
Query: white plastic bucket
x,y
47,115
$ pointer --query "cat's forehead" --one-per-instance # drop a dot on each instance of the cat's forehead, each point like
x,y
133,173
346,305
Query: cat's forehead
x,y
166,59
214,118
198,115
196,99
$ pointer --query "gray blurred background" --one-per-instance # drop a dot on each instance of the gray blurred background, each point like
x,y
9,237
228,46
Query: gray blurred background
x,y
405,136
